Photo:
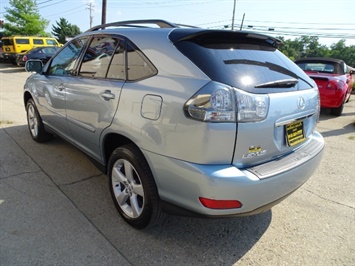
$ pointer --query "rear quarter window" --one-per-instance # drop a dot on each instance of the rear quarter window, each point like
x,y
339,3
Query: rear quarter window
x,y
38,41
51,42
22,41
138,65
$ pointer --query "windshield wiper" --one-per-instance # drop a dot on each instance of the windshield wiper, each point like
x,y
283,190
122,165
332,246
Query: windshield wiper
x,y
283,83
269,65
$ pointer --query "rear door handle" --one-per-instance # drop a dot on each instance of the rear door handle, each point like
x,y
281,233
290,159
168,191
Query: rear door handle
x,y
107,95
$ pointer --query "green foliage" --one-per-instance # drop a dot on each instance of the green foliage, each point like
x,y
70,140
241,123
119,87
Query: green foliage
x,y
309,46
23,18
64,29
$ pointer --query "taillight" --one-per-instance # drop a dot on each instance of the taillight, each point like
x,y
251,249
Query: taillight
x,y
24,58
213,103
335,84
220,204
252,107
217,102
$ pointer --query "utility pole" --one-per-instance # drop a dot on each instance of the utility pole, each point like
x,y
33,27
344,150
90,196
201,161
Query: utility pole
x,y
233,14
241,25
104,7
91,8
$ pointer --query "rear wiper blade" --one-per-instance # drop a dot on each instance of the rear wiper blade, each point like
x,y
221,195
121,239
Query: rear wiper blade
x,y
269,65
283,83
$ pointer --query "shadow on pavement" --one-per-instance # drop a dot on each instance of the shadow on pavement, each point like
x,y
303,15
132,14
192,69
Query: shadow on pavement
x,y
176,241
10,68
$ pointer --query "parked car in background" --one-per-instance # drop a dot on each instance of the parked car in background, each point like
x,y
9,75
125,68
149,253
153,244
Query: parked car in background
x,y
15,45
334,80
40,53
211,123
1,56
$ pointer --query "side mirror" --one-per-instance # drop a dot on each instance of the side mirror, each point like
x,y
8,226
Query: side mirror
x,y
34,66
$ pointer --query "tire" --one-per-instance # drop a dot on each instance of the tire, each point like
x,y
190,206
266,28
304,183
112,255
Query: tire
x,y
35,124
133,188
337,111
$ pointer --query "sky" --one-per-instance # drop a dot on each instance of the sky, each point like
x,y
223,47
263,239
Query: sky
x,y
330,20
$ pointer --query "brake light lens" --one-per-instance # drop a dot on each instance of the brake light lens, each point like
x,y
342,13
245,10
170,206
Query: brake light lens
x,y
252,107
335,84
213,103
220,204
217,102
24,58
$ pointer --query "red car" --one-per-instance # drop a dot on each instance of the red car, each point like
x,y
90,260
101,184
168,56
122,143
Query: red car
x,y
334,81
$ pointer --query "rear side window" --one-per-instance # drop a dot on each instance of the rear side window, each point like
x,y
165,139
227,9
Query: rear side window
x,y
38,41
117,66
242,62
51,42
22,41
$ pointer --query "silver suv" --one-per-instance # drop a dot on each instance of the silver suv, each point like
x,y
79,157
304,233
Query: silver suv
x,y
212,123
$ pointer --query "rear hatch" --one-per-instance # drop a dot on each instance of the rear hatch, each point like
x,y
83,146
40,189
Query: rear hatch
x,y
8,45
285,97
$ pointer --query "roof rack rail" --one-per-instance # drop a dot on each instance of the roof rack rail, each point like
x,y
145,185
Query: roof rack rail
x,y
134,23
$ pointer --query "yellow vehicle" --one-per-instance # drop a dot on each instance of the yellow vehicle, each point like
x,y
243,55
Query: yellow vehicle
x,y
15,45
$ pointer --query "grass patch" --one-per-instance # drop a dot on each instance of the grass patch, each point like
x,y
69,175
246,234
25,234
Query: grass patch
x,y
352,137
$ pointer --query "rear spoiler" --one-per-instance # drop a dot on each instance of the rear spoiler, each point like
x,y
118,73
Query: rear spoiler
x,y
218,36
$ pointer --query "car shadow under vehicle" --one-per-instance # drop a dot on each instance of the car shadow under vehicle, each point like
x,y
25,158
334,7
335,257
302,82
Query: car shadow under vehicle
x,y
175,241
10,68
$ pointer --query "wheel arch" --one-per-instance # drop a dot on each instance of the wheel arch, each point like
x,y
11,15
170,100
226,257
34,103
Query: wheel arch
x,y
26,97
110,142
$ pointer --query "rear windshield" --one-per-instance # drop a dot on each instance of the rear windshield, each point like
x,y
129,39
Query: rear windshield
x,y
244,64
7,41
323,67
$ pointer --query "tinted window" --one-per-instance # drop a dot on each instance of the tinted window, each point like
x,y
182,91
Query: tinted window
x,y
51,42
117,66
38,41
98,57
7,41
138,66
49,50
22,41
322,67
34,50
242,63
64,62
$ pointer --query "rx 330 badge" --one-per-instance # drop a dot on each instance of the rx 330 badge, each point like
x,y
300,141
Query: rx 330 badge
x,y
254,151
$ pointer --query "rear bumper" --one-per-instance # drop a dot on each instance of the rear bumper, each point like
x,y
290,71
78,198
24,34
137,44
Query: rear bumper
x,y
181,183
9,56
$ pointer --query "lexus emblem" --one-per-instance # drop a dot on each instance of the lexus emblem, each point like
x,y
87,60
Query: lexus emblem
x,y
301,103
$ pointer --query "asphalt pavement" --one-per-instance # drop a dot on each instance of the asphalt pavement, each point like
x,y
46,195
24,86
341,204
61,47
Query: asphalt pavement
x,y
55,207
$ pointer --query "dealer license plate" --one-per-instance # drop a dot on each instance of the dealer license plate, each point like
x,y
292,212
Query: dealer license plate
x,y
294,133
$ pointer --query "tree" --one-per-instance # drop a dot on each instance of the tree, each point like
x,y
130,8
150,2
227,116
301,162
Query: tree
x,y
64,29
23,18
341,51
305,46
